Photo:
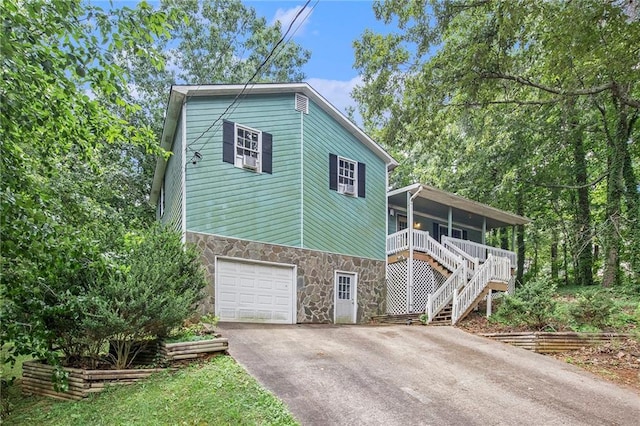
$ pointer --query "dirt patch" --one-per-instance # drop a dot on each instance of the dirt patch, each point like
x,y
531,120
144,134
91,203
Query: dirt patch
x,y
617,362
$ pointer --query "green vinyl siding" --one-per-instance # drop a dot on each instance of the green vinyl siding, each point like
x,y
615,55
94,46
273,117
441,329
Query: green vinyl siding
x,y
173,184
392,223
335,222
225,200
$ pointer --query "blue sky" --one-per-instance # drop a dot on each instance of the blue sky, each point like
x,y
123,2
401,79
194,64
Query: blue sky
x,y
328,32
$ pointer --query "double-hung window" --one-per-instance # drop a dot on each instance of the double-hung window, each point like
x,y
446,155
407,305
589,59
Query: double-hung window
x,y
247,148
347,176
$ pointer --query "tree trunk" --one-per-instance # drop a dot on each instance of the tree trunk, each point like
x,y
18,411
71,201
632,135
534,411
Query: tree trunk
x,y
582,220
520,237
504,239
554,255
615,189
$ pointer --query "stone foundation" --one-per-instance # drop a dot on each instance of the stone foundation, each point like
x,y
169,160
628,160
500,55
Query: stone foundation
x,y
315,279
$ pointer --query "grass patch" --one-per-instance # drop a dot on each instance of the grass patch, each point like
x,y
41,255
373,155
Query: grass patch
x,y
216,392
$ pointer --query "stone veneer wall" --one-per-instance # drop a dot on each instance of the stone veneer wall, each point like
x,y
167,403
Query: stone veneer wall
x,y
315,280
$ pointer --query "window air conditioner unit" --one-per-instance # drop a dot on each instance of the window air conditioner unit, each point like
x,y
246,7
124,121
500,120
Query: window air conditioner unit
x,y
343,188
249,162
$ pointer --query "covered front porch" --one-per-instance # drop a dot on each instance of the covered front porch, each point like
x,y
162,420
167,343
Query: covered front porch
x,y
436,249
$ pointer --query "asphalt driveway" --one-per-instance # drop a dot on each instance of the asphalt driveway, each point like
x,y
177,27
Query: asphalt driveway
x,y
414,375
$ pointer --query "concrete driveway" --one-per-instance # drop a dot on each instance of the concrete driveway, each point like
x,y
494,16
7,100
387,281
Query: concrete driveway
x,y
414,375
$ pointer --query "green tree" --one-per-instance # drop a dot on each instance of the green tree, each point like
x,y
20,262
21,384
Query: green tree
x,y
559,101
58,134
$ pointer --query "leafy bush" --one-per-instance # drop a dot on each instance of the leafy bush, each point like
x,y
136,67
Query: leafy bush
x,y
532,305
94,289
592,309
144,293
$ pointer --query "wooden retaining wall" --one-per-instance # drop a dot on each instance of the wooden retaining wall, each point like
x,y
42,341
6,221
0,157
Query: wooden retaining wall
x,y
192,350
36,379
547,342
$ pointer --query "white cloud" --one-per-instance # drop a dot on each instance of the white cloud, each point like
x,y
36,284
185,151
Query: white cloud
x,y
286,16
337,92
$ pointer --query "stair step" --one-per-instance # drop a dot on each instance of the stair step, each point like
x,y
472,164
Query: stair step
x,y
408,319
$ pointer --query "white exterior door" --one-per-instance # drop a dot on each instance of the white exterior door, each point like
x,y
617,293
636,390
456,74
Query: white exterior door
x,y
345,298
255,292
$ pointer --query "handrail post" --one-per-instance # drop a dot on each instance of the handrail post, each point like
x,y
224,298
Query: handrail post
x,y
454,307
429,308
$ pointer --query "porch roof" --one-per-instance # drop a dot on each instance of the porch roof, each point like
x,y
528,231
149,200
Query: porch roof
x,y
435,202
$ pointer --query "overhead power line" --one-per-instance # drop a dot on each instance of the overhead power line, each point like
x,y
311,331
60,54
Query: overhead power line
x,y
253,76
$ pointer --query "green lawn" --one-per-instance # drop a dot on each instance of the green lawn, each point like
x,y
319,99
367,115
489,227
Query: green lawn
x,y
219,392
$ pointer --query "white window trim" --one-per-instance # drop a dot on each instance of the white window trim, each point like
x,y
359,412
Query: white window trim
x,y
355,177
354,292
406,221
240,158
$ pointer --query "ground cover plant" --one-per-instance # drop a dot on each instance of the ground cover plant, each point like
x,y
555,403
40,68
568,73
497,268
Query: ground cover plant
x,y
217,391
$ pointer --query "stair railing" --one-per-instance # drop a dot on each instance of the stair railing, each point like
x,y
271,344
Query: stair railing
x,y
424,242
442,296
471,262
462,300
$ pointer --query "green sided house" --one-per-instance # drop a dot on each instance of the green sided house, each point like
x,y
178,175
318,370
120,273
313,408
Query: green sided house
x,y
284,196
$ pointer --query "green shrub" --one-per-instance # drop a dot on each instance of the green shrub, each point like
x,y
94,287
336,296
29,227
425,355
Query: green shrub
x,y
532,305
592,310
144,293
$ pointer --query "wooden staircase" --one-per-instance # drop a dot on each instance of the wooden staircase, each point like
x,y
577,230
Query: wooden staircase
x,y
418,255
467,281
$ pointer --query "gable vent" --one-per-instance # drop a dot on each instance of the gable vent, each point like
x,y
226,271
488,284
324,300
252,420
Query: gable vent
x,y
302,103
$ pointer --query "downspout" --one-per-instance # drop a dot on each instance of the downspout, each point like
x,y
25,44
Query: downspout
x,y
301,179
410,236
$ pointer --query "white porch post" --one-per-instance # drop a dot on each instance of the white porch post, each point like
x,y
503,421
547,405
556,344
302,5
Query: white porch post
x,y
410,262
410,267
489,304
513,237
450,222
484,230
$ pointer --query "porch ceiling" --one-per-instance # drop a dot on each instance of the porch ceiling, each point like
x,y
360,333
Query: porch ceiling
x,y
435,202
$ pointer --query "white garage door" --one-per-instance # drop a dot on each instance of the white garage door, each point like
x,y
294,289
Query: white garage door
x,y
254,292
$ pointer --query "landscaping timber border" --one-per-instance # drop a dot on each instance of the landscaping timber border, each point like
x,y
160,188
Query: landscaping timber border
x,y
192,350
37,377
549,342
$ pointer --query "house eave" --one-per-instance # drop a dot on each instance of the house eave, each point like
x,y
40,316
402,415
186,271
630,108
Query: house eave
x,y
174,107
463,204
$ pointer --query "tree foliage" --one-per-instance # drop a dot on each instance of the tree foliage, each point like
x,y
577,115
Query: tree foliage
x,y
77,147
59,134
530,105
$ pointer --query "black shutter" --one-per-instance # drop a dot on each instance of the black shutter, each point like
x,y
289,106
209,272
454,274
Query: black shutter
x,y
436,231
465,235
228,142
267,152
333,172
362,177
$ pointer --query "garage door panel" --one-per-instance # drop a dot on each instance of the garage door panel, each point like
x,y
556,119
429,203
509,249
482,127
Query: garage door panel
x,y
254,292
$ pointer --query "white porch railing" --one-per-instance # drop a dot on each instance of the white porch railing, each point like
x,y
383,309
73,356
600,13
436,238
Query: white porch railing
x,y
398,242
443,295
423,242
493,269
480,251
